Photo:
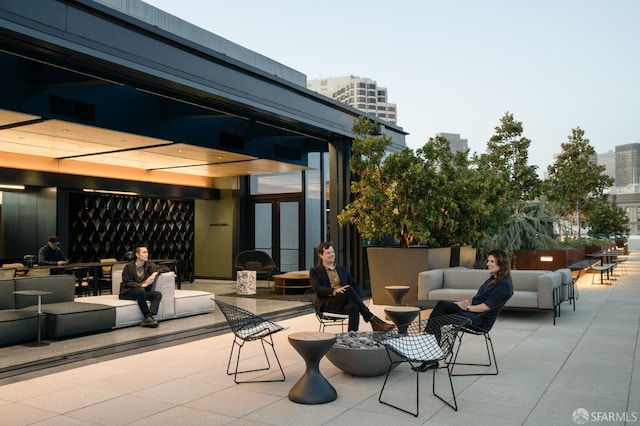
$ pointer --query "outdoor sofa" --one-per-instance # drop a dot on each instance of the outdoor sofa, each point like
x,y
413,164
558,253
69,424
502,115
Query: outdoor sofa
x,y
65,315
531,289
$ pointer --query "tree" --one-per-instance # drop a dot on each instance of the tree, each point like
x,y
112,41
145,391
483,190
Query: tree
x,y
529,228
508,153
606,218
574,178
430,196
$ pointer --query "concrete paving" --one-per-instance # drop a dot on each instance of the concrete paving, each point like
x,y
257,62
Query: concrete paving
x,y
588,363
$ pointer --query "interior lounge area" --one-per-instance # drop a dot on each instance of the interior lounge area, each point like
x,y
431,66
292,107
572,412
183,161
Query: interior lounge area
x,y
121,125
124,127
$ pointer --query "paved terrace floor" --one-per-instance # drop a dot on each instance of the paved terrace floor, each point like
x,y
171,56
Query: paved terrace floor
x,y
589,360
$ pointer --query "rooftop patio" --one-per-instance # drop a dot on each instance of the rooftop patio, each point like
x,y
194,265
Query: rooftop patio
x,y
176,374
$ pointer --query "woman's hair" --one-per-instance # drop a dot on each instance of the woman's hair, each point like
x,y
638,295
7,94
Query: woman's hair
x,y
503,262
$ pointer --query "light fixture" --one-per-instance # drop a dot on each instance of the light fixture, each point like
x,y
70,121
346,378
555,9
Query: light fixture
x,y
3,186
546,258
104,191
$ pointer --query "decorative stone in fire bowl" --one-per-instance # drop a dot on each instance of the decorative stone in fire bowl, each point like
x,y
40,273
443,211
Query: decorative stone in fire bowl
x,y
360,353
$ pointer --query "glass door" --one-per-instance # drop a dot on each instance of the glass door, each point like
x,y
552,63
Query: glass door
x,y
277,231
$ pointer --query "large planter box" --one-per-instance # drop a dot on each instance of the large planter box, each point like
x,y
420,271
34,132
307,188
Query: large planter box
x,y
594,248
549,260
401,266
463,256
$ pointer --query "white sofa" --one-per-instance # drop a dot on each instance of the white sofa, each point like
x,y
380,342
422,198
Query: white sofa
x,y
531,289
175,303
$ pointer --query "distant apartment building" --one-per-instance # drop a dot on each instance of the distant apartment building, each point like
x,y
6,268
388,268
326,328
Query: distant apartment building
x,y
623,165
627,166
457,144
361,93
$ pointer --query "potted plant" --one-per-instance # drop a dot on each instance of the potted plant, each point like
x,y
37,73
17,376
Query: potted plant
x,y
431,198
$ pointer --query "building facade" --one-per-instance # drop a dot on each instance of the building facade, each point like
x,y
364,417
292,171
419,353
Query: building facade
x,y
123,125
623,165
361,93
457,144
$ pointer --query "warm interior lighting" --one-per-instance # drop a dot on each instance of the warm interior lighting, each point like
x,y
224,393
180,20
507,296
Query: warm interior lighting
x,y
3,186
104,191
546,258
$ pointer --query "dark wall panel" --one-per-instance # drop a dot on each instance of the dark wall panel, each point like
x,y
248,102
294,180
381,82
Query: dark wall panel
x,y
109,225
28,219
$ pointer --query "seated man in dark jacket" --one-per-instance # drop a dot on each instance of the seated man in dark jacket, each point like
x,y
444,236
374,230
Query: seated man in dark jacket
x,y
338,292
138,282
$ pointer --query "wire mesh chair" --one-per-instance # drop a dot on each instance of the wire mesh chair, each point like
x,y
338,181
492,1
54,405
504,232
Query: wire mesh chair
x,y
417,346
326,319
246,327
481,326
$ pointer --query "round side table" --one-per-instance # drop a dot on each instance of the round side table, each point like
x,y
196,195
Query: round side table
x,y
402,316
397,292
313,387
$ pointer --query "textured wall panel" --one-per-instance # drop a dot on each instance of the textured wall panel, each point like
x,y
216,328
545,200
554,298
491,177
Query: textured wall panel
x,y
106,225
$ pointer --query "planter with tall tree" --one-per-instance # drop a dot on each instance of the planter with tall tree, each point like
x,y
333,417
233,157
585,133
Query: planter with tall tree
x,y
424,199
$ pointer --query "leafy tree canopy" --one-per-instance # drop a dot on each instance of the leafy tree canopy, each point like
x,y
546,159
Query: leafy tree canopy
x,y
574,177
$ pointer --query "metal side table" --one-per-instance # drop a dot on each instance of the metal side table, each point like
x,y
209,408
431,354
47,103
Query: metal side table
x,y
38,293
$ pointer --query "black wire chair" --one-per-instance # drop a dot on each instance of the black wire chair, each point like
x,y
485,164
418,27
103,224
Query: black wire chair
x,y
247,327
326,319
481,326
417,346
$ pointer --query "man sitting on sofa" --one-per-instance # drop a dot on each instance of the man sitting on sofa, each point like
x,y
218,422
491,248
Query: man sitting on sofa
x,y
138,283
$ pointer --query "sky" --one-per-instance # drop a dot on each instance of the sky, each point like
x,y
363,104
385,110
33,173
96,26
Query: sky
x,y
457,66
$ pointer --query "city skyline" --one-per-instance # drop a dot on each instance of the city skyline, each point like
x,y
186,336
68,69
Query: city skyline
x,y
458,67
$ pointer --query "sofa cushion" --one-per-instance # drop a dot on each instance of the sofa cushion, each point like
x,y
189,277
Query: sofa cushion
x,y
62,287
567,279
526,280
18,325
452,294
191,302
127,311
464,278
70,318
7,298
523,299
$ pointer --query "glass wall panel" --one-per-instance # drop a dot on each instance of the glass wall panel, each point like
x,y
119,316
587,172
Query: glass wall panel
x,y
281,183
313,208
263,232
326,195
289,232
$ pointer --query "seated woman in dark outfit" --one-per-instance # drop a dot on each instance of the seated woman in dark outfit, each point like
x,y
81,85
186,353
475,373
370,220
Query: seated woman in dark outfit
x,y
493,292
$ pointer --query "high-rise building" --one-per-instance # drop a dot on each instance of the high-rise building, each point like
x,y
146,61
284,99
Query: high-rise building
x,y
624,166
627,165
608,160
457,144
361,93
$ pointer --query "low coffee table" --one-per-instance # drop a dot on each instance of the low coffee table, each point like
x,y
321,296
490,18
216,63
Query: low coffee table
x,y
297,280
312,387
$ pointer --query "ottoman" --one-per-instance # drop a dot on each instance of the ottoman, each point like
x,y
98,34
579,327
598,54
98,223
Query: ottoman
x,y
17,325
71,318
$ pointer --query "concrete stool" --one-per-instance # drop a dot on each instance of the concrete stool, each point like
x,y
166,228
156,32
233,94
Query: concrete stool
x,y
312,388
397,292
402,316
